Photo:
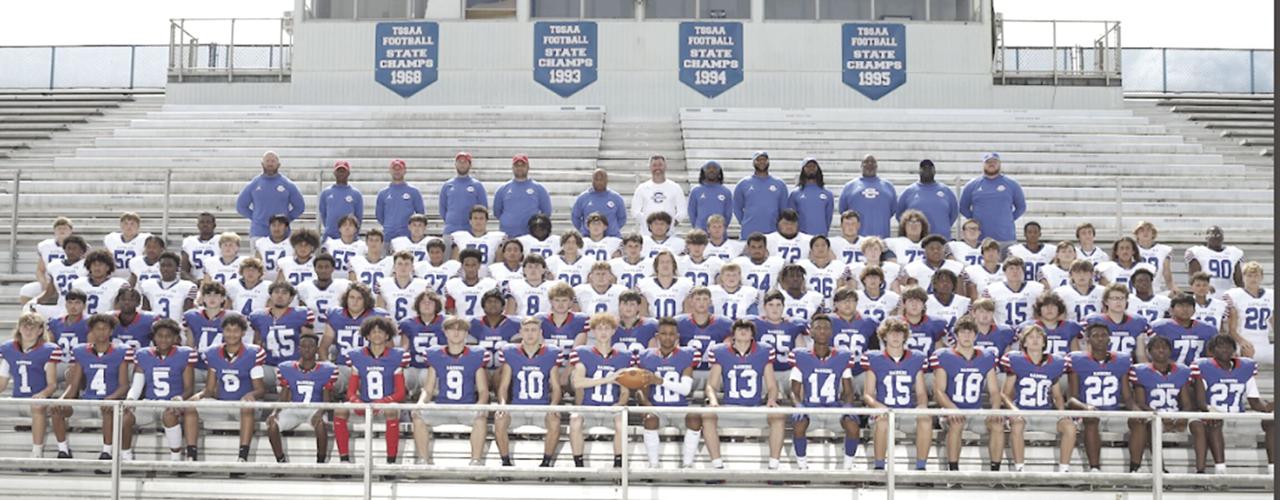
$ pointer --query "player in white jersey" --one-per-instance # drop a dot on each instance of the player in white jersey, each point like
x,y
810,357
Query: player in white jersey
x,y
249,293
719,244
978,277
660,237
1252,312
1144,301
873,256
372,265
463,293
921,271
1208,309
60,273
732,298
944,303
1034,253
324,292
631,266
1155,255
699,268
1058,271
540,240
1124,261
50,250
665,291
968,249
510,258
299,266
600,293
528,296
275,247
436,270
416,241
1085,247
396,293
1082,296
1014,297
1220,261
876,301
169,295
798,302
822,269
347,246
147,266
199,246
99,285
598,246
906,247
126,243
226,266
788,243
848,246
570,266
478,237
759,269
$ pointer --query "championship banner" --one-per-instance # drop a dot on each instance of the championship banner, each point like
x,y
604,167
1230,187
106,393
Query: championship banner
x,y
406,56
564,55
711,56
874,57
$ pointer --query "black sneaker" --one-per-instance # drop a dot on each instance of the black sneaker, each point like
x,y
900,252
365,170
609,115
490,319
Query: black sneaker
x,y
66,454
101,456
238,475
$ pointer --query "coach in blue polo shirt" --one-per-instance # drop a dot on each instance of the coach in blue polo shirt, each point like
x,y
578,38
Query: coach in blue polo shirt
x,y
459,195
872,197
995,201
759,198
599,198
397,202
710,197
936,201
519,199
268,194
339,200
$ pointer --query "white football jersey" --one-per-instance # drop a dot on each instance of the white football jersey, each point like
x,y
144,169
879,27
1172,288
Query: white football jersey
x,y
245,300
762,276
1032,261
1157,307
319,300
224,272
296,272
102,296
417,248
50,251
891,272
727,251
590,301
628,274
436,276
501,273
802,307
651,247
197,250
466,299
1096,256
958,307
1156,257
704,273
665,302
574,273
923,274
142,271
370,272
1013,307
1113,272
168,299
1255,313
1213,312
823,280
529,299
1055,276
980,278
271,253
62,274
122,250
1221,266
743,302
343,252
547,247
847,251
880,308
790,250
487,244
600,250
398,300
1081,305
905,250
967,255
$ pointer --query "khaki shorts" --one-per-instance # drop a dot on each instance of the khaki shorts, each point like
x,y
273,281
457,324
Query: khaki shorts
x,y
599,421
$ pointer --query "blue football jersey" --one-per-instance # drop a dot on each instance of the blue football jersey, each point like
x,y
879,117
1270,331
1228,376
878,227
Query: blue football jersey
x,y
1033,383
781,338
306,386
1100,380
456,374
205,329
492,338
853,334
1059,339
1162,389
670,367
422,336
1188,342
821,378
702,338
925,334
599,366
562,335
636,338
281,335
163,372
996,341
346,330
530,375
1124,335
234,374
26,369
69,332
1226,388
135,334
101,371
895,379
966,378
742,374
376,375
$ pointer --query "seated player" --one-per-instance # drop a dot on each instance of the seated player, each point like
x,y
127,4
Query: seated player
x,y
529,294
665,290
1034,253
374,264
598,244
788,243
197,247
921,272
299,266
146,266
696,265
913,226
225,267
235,374
528,377
600,293
561,326
1031,384
851,330
701,330
274,248
163,372
306,380
98,371
798,302
377,376
823,269
986,272
98,284
1225,383
133,327
780,334
508,266
456,375
203,326
1097,380
1161,386
659,237
1213,311
1252,314
960,375
168,295
346,246
250,293
759,268
279,328
1082,295
1126,329
595,372
741,367
397,291
59,274
1155,255
670,384
569,265
635,332
462,293
1057,272
1187,337
944,303
416,241
72,329
437,268
418,334
927,334
966,249
821,376
901,373
1086,234
342,331
539,240
1144,301
1124,261
719,244
992,337
323,292
1061,335
1015,296
126,243
730,299
631,266
493,331
875,301
50,251
478,236
31,360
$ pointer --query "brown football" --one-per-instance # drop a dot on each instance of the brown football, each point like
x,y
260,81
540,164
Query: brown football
x,y
633,378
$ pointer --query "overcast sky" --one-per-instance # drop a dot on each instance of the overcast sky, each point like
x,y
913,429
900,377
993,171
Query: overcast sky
x,y
1145,23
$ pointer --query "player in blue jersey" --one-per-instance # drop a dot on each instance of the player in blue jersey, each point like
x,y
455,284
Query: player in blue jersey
x,y
960,375
1186,336
850,329
992,336
342,330
418,334
927,334
1126,329
279,328
31,360
895,379
494,330
1097,380
133,327
670,383
742,368
562,327
164,372
1225,383
1050,316
1031,384
203,327
528,377
305,380
456,375
635,333
1161,386
377,376
702,330
595,370
71,329
235,374
781,335
100,372
821,376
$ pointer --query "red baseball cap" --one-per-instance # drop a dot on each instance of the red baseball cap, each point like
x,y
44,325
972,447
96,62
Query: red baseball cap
x,y
397,163
462,154
342,164
520,157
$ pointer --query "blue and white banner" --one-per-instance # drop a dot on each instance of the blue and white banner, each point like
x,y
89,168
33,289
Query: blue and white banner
x,y
406,56
874,57
711,56
564,55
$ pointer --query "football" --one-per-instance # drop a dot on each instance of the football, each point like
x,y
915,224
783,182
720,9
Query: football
x,y
633,378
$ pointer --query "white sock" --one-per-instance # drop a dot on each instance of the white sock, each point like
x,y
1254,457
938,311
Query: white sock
x,y
126,455
1064,467
1018,467
37,450
1219,468
717,463
802,462
651,446
773,464
175,456
690,450
848,461
173,437
106,448
64,447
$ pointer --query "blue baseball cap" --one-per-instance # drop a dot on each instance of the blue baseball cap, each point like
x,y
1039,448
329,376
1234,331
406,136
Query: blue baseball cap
x,y
758,154
990,156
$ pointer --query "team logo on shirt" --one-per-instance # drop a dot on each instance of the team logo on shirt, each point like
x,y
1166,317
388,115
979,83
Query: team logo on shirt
x,y
528,191
471,189
1000,187
404,196
721,197
939,193
870,193
773,188
609,204
822,196
659,197
349,199
280,188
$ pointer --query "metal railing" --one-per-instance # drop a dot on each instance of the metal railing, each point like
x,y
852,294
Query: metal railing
x,y
189,57
1157,479
1074,50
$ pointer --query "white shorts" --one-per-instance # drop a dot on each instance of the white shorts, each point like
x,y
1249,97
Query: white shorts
x,y
598,420
149,417
827,422
740,421
784,384
340,387
220,414
1263,351
905,424
31,290
413,380
437,415
528,419
976,424
289,420
269,379
699,381
1041,423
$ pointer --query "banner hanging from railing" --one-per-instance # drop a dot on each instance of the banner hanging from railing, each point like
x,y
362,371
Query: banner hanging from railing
x,y
406,55
564,56
710,56
874,57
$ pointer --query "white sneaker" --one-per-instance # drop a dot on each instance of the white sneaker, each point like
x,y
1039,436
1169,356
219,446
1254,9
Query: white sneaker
x,y
420,461
858,466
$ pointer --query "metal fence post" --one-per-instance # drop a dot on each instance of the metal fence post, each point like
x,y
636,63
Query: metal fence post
x,y
118,415
168,185
319,191
53,62
13,223
133,59
1157,458
889,466
368,451
626,454
1164,70
1053,56
231,53
1251,86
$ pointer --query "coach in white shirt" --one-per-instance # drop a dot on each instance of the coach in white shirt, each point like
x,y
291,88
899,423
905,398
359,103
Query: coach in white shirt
x,y
658,195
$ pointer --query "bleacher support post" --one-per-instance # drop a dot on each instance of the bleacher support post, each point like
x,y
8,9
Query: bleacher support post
x,y
368,450
117,411
890,456
1157,459
626,455
320,189
164,223
13,223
